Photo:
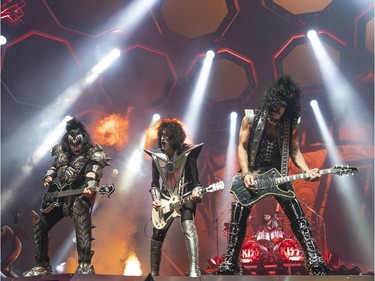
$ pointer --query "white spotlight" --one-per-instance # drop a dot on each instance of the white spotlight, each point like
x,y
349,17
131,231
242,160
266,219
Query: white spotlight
x,y
3,40
312,34
313,103
233,115
210,54
155,117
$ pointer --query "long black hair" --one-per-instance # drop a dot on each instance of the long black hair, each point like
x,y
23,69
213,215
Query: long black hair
x,y
284,92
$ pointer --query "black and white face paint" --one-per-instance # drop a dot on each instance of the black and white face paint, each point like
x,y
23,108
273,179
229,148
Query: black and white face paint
x,y
75,139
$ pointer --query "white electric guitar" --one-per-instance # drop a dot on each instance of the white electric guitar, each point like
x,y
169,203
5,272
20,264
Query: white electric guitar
x,y
170,209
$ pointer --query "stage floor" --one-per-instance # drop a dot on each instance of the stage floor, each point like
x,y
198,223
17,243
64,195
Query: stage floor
x,y
98,277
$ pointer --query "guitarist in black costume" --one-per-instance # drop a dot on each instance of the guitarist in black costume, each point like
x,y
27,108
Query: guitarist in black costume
x,y
267,138
175,163
77,164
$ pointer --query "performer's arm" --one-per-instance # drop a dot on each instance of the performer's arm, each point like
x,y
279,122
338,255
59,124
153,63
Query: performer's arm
x,y
299,160
243,140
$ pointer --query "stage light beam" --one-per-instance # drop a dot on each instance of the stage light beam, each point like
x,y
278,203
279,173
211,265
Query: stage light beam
x,y
192,113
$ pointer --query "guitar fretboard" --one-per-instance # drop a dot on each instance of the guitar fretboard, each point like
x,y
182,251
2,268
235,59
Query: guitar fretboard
x,y
185,200
267,180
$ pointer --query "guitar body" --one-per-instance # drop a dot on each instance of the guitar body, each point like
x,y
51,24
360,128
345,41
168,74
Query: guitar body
x,y
50,199
265,186
162,217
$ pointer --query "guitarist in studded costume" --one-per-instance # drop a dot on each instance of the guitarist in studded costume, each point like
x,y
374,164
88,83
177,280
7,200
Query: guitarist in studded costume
x,y
175,164
77,164
267,138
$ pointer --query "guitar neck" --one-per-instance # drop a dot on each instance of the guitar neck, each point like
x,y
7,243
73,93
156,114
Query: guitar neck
x,y
186,199
69,192
301,176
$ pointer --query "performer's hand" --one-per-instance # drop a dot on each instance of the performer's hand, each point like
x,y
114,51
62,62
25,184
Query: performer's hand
x,y
87,192
47,180
249,181
156,204
196,195
314,174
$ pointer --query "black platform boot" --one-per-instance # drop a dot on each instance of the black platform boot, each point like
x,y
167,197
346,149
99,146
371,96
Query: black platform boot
x,y
237,233
83,228
41,247
302,231
155,256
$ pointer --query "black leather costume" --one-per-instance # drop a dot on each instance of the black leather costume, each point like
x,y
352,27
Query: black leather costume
x,y
179,176
264,154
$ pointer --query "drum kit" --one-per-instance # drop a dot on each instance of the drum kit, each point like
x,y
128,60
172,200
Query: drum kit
x,y
269,246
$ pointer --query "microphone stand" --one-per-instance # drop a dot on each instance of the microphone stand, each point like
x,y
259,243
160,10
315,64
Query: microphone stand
x,y
216,221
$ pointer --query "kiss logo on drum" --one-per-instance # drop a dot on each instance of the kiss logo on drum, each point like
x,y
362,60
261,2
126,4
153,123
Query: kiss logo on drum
x,y
288,250
252,252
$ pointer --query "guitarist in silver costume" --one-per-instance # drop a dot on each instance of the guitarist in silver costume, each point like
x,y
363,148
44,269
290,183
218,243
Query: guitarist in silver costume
x,y
175,164
267,138
77,163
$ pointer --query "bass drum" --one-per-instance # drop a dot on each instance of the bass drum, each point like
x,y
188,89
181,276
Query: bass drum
x,y
288,250
252,252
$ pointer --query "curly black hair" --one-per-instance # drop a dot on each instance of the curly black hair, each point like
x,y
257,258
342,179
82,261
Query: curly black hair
x,y
74,127
283,92
174,132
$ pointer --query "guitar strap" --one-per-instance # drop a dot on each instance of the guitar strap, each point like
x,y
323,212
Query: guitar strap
x,y
84,161
285,147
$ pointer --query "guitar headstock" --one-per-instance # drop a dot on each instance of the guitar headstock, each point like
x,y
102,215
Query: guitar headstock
x,y
106,189
344,170
215,186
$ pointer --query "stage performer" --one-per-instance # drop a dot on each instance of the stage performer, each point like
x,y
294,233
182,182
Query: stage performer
x,y
267,138
269,223
175,164
78,164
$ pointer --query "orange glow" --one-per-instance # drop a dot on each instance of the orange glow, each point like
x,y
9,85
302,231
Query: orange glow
x,y
112,131
151,135
132,266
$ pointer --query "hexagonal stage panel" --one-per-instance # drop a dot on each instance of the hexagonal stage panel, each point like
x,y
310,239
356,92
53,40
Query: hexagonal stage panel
x,y
365,30
232,76
185,20
297,58
42,56
296,10
142,77
90,17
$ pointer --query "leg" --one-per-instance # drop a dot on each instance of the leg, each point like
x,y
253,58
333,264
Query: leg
x,y
82,223
237,233
302,231
157,240
41,227
191,239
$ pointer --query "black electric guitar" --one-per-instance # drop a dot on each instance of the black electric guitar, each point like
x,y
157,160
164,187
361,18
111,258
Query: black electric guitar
x,y
53,197
162,217
268,184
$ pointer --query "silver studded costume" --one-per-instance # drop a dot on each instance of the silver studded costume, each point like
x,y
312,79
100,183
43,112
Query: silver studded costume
x,y
179,176
70,170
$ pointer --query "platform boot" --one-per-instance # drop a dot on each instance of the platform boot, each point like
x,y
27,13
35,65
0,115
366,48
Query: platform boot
x,y
192,245
302,231
41,247
155,256
83,228
237,233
